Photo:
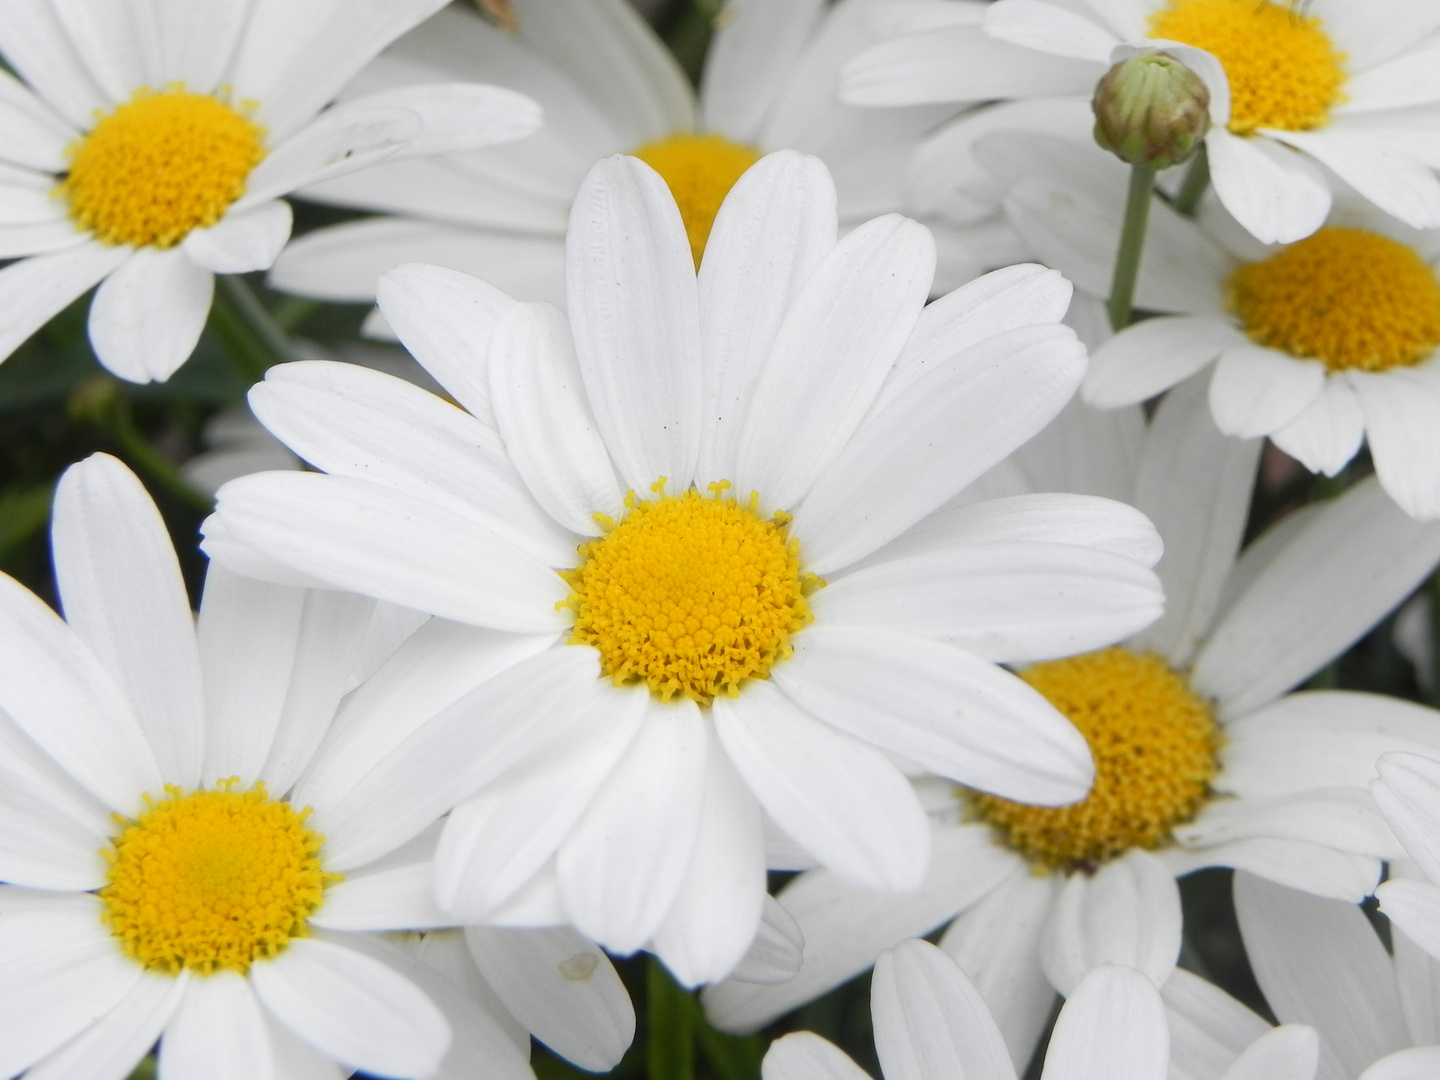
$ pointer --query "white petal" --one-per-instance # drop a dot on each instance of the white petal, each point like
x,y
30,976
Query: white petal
x,y
1414,907
1127,913
562,988
778,949
1152,356
630,285
1407,794
1112,1028
803,1055
1342,818
844,928
1208,1028
55,690
1195,484
38,50
394,898
218,1033
456,116
1417,1063
751,57
1320,963
1255,390
196,39
830,356
1398,83
147,316
1050,29
941,707
496,842
33,134
1277,195
1313,868
1366,554
114,1045
1401,410
394,546
936,427
774,227
1394,181
39,288
1385,28
716,913
841,799
1328,434
241,242
123,595
41,847
353,1008
622,866
930,1021
446,319
538,395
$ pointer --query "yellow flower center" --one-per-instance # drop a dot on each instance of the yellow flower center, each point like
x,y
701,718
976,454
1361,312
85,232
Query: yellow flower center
x,y
690,595
211,880
1351,298
159,166
1154,743
701,170
1284,71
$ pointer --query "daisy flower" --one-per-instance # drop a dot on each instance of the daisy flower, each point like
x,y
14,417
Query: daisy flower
x,y
1330,83
1202,758
1319,962
161,884
653,527
1321,345
931,1023
608,85
147,146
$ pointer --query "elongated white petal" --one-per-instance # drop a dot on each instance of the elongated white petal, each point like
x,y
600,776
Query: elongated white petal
x,y
1416,1063
1254,390
1394,181
1277,195
110,1048
1112,1028
394,898
33,134
1152,356
1050,29
1343,818
148,314
241,241
630,285
1318,869
1208,1028
1328,434
1290,1052
218,1033
750,60
803,1055
123,595
38,288
1023,295
1414,907
940,706
1408,796
562,988
776,953
37,48
1400,410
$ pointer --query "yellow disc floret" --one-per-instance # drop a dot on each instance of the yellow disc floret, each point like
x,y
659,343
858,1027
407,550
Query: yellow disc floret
x,y
1154,743
1284,72
159,166
701,170
690,595
212,880
1351,298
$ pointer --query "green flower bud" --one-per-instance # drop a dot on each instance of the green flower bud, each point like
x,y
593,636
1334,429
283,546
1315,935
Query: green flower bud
x,y
1151,110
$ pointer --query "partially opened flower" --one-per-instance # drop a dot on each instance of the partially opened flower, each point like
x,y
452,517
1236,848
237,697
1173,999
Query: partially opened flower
x,y
932,1024
608,85
162,884
149,145
1292,87
654,532
1202,758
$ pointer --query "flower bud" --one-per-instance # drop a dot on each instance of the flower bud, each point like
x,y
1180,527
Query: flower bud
x,y
1151,110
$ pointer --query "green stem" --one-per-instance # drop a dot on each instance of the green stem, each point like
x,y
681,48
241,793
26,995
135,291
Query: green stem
x,y
671,1048
150,461
1132,244
1197,179
244,308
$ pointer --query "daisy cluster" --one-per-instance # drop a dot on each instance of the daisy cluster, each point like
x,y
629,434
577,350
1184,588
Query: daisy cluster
x,y
546,537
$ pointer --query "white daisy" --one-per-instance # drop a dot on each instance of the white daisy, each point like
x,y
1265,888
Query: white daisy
x,y
148,146
932,1024
1319,962
160,883
608,85
1337,83
1319,345
1202,757
632,770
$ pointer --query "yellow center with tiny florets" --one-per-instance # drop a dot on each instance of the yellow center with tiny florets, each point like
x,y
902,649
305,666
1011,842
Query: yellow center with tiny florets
x,y
159,166
1154,742
690,595
1347,297
700,170
1284,72
212,880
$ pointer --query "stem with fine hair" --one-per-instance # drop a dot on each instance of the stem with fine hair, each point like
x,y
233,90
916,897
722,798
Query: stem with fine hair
x,y
1197,179
248,314
1132,245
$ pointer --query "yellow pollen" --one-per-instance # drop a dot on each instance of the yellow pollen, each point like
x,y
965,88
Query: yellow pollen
x,y
1154,743
690,595
701,170
1284,71
161,165
212,880
1351,298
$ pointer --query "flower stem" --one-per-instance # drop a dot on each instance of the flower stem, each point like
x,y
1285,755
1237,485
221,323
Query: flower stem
x,y
1197,179
150,461
671,1047
1132,244
253,337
